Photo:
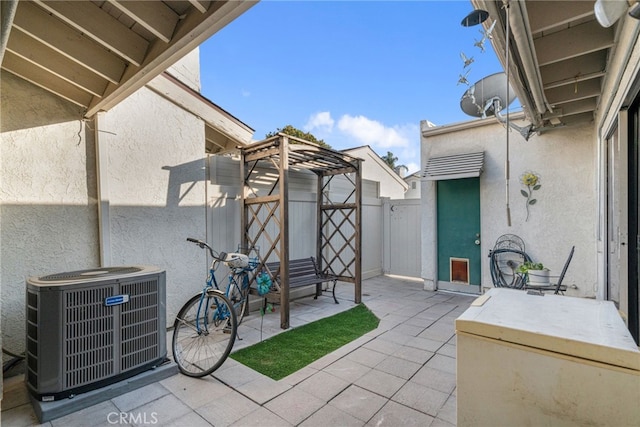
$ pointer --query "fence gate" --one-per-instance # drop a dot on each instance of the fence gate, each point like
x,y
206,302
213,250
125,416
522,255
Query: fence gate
x,y
402,232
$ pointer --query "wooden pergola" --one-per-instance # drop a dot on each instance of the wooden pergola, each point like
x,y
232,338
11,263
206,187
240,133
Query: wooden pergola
x,y
265,218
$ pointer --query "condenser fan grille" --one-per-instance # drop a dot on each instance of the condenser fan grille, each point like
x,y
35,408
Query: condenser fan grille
x,y
87,274
139,320
89,342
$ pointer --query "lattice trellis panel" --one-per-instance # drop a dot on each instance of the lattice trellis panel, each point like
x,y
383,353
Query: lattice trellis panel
x,y
262,230
338,249
339,232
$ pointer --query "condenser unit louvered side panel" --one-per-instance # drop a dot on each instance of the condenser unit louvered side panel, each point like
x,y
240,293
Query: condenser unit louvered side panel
x,y
87,329
140,340
90,336
33,314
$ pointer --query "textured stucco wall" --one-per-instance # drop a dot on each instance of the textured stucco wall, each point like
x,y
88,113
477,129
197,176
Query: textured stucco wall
x,y
48,212
155,180
390,185
156,190
413,193
187,70
566,210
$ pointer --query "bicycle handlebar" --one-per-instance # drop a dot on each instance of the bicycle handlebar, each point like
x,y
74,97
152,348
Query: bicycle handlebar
x,y
220,257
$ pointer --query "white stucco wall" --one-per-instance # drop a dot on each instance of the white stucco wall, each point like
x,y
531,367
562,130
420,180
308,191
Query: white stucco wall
x,y
156,190
413,193
153,173
566,210
374,169
48,211
187,69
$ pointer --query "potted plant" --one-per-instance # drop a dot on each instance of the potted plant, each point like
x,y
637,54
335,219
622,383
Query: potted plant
x,y
535,273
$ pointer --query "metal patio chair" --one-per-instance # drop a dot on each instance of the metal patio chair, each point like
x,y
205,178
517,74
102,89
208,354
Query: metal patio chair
x,y
505,257
503,265
558,288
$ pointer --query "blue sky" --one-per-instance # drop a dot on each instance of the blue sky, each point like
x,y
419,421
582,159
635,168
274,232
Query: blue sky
x,y
352,73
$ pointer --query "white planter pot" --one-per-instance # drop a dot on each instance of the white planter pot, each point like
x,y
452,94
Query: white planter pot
x,y
538,277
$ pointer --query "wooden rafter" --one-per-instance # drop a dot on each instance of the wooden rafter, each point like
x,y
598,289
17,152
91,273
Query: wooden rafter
x,y
95,54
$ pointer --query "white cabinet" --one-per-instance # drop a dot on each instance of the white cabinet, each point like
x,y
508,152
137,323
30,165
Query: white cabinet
x,y
531,360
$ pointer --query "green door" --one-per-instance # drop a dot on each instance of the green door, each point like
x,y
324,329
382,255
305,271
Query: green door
x,y
458,213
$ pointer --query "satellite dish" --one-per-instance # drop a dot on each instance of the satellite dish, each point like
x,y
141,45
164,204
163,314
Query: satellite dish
x,y
480,99
476,17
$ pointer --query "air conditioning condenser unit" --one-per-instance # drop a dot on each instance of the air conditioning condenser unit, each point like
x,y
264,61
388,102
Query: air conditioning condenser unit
x,y
91,328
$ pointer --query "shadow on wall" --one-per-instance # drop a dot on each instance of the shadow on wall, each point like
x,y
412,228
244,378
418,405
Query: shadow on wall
x,y
26,106
188,174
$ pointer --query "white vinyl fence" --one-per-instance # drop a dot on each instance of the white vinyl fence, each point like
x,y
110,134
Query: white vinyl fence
x,y
402,254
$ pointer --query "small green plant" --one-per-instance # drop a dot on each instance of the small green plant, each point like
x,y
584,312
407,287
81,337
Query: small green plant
x,y
529,265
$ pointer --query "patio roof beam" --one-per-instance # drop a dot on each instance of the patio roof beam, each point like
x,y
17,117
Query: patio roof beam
x,y
25,47
201,5
577,90
68,42
101,27
42,78
157,18
583,39
189,33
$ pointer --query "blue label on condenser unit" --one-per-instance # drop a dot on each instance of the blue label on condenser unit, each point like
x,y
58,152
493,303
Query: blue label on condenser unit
x,y
116,299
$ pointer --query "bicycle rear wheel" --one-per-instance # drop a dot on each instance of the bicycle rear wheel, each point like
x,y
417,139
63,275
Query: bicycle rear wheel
x,y
238,293
203,334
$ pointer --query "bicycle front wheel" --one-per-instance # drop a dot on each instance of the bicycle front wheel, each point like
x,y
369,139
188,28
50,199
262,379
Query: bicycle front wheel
x,y
203,334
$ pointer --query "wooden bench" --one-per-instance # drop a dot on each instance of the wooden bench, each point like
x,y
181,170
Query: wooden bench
x,y
304,272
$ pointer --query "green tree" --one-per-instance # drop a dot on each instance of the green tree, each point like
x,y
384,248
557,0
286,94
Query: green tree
x,y
390,160
292,131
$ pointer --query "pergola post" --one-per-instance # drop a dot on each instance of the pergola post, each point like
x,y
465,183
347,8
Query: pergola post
x,y
358,231
243,207
284,232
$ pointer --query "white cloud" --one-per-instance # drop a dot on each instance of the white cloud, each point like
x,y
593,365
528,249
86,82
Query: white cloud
x,y
410,155
412,167
402,140
372,132
246,93
321,121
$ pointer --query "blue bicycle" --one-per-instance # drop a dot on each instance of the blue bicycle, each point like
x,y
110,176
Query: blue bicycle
x,y
206,326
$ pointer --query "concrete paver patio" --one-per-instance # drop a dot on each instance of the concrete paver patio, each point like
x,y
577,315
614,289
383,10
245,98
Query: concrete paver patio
x,y
402,373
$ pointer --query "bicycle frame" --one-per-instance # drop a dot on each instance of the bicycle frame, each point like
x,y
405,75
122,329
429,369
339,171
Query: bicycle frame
x,y
211,285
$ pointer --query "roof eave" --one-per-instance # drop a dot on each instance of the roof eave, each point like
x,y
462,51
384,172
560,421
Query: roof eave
x,y
522,66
